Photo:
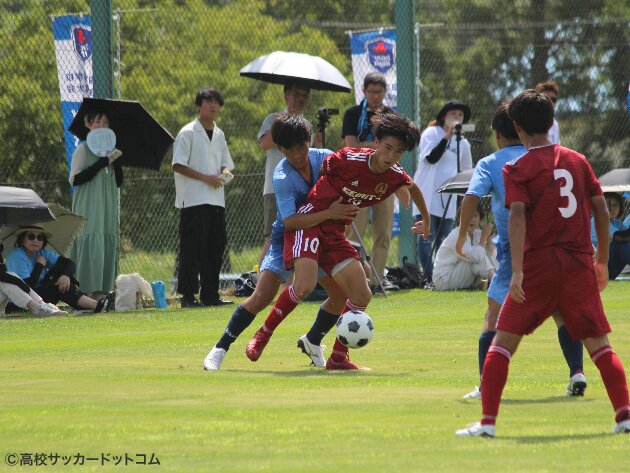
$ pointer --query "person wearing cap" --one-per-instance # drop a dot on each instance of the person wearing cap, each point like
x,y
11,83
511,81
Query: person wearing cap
x,y
438,161
96,181
48,273
202,166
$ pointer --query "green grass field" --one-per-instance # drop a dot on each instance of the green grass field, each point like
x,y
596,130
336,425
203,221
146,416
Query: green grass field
x,y
133,383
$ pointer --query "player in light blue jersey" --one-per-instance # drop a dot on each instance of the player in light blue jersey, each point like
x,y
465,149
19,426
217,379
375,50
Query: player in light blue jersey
x,y
293,178
488,179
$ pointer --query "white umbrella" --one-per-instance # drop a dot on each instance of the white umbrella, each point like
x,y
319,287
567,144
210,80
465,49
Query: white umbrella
x,y
22,206
282,67
617,180
63,230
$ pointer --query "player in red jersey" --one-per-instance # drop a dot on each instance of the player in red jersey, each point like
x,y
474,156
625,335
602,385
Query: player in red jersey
x,y
363,177
550,192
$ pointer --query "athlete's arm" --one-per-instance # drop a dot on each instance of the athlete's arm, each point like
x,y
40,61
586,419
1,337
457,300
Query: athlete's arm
x,y
517,226
337,211
466,212
418,199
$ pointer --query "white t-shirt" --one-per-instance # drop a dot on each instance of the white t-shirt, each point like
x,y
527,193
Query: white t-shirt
x,y
554,133
194,149
274,156
429,177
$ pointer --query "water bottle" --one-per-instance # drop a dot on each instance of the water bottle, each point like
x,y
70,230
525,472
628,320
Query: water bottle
x,y
159,294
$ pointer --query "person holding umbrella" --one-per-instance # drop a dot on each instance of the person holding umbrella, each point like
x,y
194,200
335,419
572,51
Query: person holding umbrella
x,y
96,180
202,165
48,273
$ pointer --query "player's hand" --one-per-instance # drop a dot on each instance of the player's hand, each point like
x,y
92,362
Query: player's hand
x,y
339,211
516,287
41,260
459,246
213,181
601,274
63,283
404,196
420,229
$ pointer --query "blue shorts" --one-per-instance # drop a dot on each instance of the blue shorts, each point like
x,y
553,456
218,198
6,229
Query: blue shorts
x,y
274,261
500,285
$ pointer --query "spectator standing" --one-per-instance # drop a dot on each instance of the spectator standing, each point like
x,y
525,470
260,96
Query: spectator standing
x,y
551,90
201,161
356,133
96,181
437,162
296,97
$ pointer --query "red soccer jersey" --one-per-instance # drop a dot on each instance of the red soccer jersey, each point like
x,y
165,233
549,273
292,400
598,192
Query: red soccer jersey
x,y
556,184
347,174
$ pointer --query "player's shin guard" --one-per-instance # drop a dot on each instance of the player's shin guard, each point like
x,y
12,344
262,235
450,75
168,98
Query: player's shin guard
x,y
614,377
340,351
485,340
572,350
495,373
285,304
240,320
324,322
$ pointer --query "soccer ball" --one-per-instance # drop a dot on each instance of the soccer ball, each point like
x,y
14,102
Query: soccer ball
x,y
355,329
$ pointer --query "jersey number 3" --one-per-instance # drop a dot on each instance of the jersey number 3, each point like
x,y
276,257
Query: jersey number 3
x,y
565,191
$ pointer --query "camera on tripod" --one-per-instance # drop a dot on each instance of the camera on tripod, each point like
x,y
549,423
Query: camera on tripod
x,y
324,114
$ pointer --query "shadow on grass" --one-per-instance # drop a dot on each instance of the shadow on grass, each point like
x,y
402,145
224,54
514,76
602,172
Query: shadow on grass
x,y
547,400
545,439
321,372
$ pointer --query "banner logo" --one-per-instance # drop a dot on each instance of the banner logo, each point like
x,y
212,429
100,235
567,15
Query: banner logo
x,y
82,41
381,54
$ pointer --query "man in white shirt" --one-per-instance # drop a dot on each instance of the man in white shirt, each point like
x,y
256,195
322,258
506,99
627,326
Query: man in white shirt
x,y
202,165
551,90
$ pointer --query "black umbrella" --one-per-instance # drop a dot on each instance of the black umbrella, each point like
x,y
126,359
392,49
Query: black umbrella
x,y
617,180
22,207
142,140
458,184
282,67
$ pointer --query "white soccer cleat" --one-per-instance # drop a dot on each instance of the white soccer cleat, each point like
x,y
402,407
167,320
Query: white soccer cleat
x,y
476,430
622,427
577,385
47,309
315,352
474,394
213,361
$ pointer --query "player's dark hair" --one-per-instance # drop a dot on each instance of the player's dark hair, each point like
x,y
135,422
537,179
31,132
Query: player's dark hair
x,y
290,130
502,123
375,78
386,122
208,94
532,111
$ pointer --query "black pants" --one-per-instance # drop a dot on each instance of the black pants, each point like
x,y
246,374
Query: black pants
x,y
202,241
50,293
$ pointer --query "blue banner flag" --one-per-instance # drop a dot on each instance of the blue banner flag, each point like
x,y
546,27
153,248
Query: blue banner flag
x,y
73,49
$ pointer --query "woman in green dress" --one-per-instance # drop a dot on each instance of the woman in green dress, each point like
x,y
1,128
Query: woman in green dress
x,y
96,181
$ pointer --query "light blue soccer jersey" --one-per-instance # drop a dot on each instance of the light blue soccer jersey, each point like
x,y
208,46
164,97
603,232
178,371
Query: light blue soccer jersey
x,y
291,189
488,179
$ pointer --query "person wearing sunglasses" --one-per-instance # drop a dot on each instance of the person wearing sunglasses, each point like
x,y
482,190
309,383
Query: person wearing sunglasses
x,y
551,90
48,273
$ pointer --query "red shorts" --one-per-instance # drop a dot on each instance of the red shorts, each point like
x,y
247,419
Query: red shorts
x,y
555,279
325,243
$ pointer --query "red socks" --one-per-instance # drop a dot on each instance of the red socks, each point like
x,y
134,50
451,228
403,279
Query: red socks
x,y
614,377
495,373
285,304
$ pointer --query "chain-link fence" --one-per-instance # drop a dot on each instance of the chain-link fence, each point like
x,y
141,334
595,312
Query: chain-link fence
x,y
163,52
